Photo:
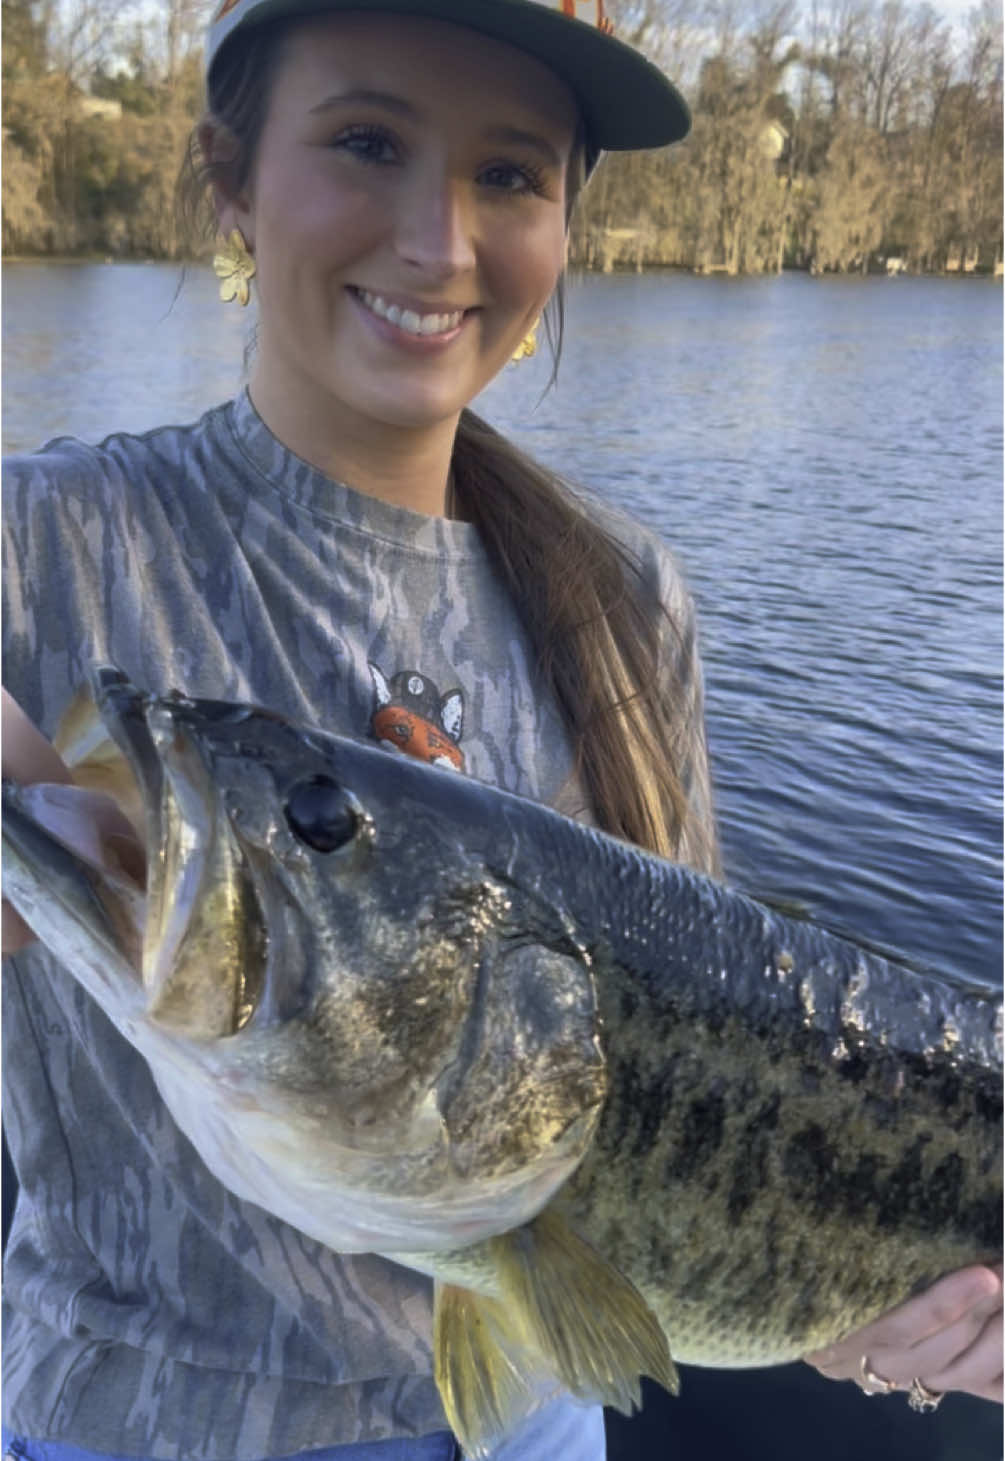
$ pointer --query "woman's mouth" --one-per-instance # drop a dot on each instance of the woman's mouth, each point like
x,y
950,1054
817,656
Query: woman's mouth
x,y
410,321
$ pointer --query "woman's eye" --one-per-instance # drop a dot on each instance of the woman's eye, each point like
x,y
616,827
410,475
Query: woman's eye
x,y
369,144
511,177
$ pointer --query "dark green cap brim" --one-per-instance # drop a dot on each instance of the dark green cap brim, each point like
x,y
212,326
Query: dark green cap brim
x,y
626,101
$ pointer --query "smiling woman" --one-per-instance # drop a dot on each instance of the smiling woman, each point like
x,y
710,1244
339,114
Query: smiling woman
x,y
348,544
406,214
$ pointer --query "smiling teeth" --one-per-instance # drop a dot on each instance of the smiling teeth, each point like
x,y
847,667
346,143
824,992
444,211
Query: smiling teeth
x,y
407,319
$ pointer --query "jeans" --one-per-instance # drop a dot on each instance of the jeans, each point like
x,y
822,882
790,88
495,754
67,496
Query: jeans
x,y
559,1431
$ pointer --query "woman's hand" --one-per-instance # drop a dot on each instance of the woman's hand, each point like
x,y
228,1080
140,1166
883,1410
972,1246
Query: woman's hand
x,y
89,822
27,757
948,1338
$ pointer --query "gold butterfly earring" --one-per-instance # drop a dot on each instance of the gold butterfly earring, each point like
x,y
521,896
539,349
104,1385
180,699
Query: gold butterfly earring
x,y
234,267
528,345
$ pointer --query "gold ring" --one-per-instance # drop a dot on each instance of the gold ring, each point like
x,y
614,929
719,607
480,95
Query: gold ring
x,y
920,1398
879,1384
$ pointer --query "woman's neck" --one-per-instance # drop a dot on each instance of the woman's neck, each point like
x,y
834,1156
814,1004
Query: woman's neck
x,y
403,466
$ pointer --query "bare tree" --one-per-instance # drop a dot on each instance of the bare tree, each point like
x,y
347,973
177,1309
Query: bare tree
x,y
824,136
184,23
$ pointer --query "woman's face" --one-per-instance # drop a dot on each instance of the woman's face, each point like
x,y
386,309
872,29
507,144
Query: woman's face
x,y
406,212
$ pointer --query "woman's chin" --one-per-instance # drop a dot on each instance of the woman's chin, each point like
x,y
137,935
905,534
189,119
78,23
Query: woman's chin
x,y
414,410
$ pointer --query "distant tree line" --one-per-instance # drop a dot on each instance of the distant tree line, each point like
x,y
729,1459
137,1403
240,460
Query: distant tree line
x,y
99,97
864,133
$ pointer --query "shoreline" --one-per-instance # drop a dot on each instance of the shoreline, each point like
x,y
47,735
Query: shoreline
x,y
575,269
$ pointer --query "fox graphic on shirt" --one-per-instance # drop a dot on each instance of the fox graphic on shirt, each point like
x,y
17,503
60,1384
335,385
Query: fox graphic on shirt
x,y
412,715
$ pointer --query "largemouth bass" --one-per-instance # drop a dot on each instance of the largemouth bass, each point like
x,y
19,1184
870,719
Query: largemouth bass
x,y
622,1114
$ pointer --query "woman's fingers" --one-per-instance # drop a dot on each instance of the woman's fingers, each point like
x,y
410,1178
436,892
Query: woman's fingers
x,y
15,933
977,1368
926,1313
948,1337
26,754
88,822
964,1355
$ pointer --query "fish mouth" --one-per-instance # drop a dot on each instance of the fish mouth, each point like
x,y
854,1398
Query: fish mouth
x,y
123,710
205,942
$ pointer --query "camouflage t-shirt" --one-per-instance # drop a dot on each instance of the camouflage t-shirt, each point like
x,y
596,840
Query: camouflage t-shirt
x,y
147,1311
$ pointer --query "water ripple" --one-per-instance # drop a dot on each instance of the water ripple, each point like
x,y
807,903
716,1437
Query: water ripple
x,y
825,458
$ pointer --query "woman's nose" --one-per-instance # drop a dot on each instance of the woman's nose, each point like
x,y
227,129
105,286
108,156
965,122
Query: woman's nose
x,y
436,226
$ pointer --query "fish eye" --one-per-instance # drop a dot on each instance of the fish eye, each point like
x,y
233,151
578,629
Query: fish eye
x,y
319,813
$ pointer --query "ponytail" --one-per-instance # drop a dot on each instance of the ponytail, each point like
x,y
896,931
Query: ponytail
x,y
621,670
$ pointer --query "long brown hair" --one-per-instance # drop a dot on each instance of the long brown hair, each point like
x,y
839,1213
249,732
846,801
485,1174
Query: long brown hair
x,y
621,669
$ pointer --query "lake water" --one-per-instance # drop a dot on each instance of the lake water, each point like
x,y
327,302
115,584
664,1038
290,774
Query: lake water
x,y
825,456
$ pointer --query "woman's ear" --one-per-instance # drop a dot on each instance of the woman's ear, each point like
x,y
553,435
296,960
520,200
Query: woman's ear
x,y
221,153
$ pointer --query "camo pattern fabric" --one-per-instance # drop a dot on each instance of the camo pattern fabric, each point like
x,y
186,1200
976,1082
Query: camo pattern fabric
x,y
148,1312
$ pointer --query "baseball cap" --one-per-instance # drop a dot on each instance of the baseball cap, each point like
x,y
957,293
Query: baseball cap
x,y
626,101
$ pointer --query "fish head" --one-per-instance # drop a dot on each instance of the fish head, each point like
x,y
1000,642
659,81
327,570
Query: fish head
x,y
325,941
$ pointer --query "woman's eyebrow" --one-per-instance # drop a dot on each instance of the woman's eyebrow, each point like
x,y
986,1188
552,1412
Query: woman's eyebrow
x,y
514,136
517,137
354,97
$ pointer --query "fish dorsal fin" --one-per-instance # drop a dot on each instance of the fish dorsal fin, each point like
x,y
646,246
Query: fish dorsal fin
x,y
564,1313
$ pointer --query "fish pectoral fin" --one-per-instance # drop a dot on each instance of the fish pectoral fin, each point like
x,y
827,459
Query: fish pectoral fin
x,y
487,1379
592,1327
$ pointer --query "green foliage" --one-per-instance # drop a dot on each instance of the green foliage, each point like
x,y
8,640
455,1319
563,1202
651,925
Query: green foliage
x,y
134,93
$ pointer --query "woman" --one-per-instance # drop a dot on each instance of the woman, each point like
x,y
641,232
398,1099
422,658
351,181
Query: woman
x,y
347,543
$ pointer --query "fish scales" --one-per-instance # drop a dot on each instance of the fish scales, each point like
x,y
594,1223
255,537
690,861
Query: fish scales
x,y
766,1194
797,1133
615,1108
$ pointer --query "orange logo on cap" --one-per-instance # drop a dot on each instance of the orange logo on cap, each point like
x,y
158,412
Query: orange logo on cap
x,y
225,9
603,24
